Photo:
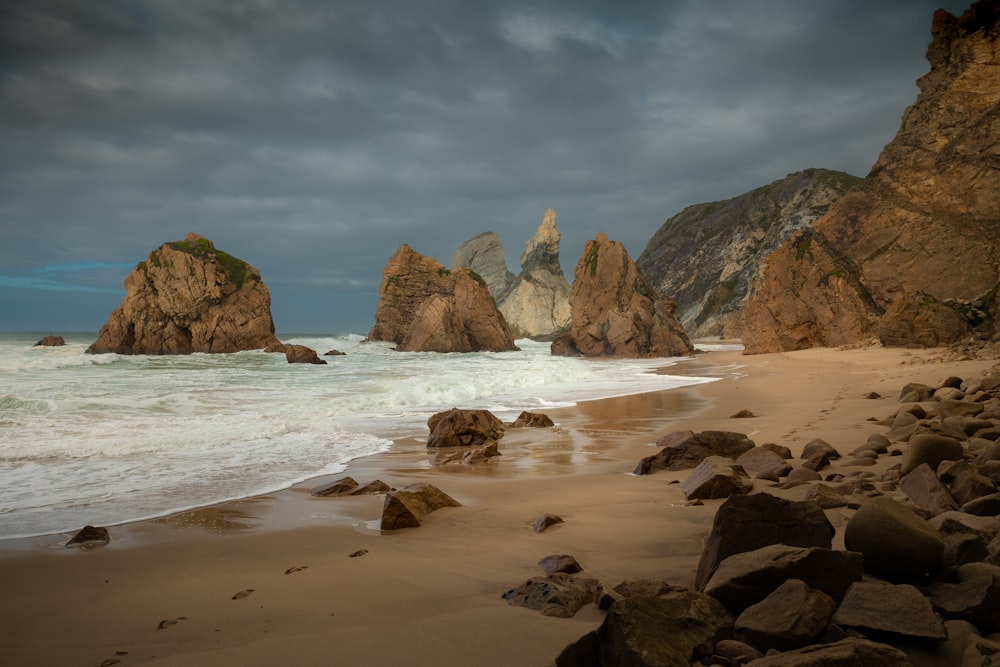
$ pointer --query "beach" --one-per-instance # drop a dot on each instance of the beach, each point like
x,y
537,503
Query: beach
x,y
278,579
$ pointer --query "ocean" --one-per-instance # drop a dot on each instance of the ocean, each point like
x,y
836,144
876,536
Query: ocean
x,y
109,439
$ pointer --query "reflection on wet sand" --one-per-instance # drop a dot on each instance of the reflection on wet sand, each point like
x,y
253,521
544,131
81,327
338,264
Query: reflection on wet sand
x,y
218,519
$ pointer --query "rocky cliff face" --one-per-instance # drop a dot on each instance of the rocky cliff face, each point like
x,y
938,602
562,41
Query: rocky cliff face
x,y
615,311
484,255
537,303
710,257
912,255
425,307
189,297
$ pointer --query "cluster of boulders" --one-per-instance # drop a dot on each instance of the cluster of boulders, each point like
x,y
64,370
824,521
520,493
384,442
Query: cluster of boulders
x,y
916,582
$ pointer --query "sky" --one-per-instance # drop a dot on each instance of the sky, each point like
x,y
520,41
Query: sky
x,y
311,138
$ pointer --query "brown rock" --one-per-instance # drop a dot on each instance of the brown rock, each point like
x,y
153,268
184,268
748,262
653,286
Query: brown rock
x,y
407,507
926,491
89,536
791,617
545,522
976,600
300,354
341,487
425,307
675,629
464,428
532,420
930,449
558,595
746,523
716,477
51,341
614,311
560,563
844,653
897,609
865,269
683,450
896,543
760,460
189,297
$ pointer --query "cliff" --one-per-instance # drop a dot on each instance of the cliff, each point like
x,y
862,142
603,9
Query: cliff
x,y
425,307
537,303
912,255
189,297
710,257
614,311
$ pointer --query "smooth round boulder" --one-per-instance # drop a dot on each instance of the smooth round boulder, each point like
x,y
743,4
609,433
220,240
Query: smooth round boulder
x,y
897,544
931,449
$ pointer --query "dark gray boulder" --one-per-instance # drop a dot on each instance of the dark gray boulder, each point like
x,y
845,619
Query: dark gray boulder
x,y
900,610
896,543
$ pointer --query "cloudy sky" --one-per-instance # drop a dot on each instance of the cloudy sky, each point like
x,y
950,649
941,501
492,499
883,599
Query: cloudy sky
x,y
312,138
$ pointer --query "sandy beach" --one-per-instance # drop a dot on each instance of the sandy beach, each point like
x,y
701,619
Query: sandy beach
x,y
272,581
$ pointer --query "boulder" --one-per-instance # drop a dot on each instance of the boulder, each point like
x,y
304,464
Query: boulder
x,y
558,595
614,311
300,354
970,485
484,255
821,447
464,428
926,491
896,543
89,536
792,616
560,563
532,420
675,629
930,449
51,341
424,307
545,522
716,477
746,523
760,460
683,450
407,507
901,610
341,487
536,305
976,600
849,652
983,506
186,297
744,579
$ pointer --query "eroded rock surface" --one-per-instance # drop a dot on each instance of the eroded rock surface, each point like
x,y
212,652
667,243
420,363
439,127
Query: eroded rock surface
x,y
186,297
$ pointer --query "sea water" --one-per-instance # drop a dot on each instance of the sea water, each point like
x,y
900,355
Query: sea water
x,y
107,439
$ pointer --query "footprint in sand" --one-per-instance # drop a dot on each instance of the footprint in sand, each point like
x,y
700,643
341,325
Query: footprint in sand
x,y
296,569
167,622
246,592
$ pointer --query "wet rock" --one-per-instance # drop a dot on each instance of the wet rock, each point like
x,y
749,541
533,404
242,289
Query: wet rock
x,y
683,450
341,487
560,563
51,341
792,616
464,428
90,536
532,420
300,354
407,507
545,522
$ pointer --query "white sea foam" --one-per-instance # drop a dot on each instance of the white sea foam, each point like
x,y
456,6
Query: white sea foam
x,y
105,439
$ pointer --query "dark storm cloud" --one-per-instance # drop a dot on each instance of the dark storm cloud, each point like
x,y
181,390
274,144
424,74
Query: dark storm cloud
x,y
312,138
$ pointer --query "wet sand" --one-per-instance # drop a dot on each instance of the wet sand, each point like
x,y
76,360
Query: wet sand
x,y
271,580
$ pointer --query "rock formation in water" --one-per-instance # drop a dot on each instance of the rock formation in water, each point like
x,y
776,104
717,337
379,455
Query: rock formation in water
x,y
710,257
425,307
537,304
912,255
484,255
615,311
186,297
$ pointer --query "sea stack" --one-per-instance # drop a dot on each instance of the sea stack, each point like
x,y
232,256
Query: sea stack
x,y
485,256
615,312
910,257
185,297
537,303
424,307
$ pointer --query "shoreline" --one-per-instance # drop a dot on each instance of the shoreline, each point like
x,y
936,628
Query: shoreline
x,y
435,589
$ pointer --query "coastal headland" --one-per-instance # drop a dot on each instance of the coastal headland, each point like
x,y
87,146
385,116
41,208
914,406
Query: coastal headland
x,y
293,579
